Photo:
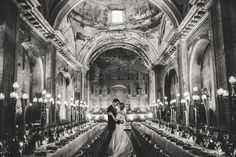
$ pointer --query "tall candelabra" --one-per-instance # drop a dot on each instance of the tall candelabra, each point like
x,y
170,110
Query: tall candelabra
x,y
2,98
178,108
13,141
205,101
153,109
76,111
173,111
196,99
45,98
232,81
222,97
24,99
166,108
186,101
159,107
72,105
81,111
66,107
58,107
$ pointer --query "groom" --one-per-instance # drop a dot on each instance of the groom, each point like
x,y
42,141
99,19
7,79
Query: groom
x,y
111,121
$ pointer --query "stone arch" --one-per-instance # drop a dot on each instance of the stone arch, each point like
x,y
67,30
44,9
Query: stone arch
x,y
196,59
129,39
36,65
201,75
108,47
65,85
171,84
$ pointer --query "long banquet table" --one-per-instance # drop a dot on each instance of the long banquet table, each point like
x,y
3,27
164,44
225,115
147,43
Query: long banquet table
x,y
170,147
73,146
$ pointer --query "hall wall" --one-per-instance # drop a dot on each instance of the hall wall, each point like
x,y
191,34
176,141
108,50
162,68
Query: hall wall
x,y
135,92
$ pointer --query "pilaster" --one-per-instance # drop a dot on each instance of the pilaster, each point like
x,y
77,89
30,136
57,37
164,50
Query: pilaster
x,y
9,17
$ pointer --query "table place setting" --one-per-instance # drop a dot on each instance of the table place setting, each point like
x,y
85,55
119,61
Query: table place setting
x,y
172,141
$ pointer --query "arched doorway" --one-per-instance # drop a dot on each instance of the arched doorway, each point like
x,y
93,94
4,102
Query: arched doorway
x,y
202,77
65,89
30,77
171,85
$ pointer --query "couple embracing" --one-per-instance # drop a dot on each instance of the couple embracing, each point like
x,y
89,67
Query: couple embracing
x,y
119,144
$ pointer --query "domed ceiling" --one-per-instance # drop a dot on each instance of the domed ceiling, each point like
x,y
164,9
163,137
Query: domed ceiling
x,y
89,28
136,14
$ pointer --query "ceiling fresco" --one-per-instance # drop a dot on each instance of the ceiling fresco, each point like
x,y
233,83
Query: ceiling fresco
x,y
138,14
88,29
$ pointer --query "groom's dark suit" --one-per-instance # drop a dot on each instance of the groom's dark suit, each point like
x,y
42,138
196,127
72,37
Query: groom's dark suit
x,y
111,122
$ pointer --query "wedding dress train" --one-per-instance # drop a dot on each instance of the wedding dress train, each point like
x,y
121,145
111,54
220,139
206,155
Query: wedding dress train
x,y
120,144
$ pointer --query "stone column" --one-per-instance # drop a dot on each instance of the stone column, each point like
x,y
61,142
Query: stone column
x,y
184,70
83,79
50,75
159,90
88,92
9,16
152,86
223,20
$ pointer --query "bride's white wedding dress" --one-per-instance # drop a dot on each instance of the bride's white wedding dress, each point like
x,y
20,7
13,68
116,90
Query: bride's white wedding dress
x,y
120,144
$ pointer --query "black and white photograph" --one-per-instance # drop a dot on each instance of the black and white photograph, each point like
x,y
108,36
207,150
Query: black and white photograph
x,y
117,78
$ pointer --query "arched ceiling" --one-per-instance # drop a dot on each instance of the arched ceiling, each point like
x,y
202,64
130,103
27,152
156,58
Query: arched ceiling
x,y
132,40
89,31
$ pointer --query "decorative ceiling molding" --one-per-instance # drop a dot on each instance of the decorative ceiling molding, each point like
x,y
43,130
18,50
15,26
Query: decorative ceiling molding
x,y
62,9
37,23
167,56
197,15
172,36
194,17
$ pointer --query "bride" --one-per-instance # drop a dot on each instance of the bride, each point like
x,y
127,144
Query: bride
x,y
120,144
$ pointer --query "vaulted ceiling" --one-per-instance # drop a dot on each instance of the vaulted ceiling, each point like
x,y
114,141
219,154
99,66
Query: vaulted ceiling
x,y
138,14
89,31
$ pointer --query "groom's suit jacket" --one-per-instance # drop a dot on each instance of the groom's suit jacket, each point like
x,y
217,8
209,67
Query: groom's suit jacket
x,y
111,121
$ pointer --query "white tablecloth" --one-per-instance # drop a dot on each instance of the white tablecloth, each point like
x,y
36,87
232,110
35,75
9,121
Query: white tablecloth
x,y
72,147
170,147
